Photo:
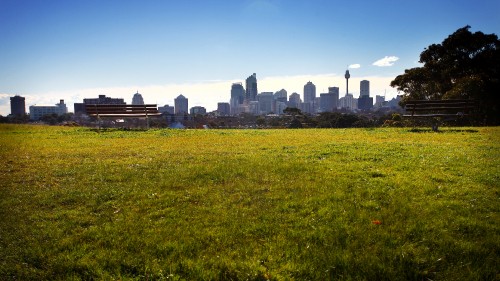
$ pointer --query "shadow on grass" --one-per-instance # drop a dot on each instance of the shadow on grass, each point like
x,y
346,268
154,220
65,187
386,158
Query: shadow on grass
x,y
429,130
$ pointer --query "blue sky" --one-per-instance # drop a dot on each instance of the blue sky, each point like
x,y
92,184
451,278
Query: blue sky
x,y
53,50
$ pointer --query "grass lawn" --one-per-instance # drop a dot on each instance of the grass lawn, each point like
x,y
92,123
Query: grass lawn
x,y
311,204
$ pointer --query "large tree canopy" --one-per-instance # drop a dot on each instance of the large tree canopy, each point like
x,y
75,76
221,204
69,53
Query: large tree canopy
x,y
464,66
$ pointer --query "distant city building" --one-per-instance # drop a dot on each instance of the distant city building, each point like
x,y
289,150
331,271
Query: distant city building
x,y
252,107
348,102
137,99
364,87
335,92
17,106
305,107
237,97
167,109
181,105
238,92
223,108
309,92
294,100
379,101
317,100
281,96
365,102
265,100
102,99
280,107
198,110
394,102
309,97
251,88
38,111
327,102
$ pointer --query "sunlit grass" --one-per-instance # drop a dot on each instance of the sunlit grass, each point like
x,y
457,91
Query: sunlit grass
x,y
249,204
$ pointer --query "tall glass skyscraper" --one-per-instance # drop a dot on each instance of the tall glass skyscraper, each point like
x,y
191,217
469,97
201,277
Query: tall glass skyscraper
x,y
251,88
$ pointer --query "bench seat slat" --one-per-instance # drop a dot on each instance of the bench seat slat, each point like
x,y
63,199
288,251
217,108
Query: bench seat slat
x,y
122,110
434,115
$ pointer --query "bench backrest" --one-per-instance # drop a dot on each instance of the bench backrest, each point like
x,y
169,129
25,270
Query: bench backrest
x,y
442,107
121,110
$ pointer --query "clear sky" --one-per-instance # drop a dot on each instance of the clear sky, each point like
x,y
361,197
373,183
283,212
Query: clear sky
x,y
65,49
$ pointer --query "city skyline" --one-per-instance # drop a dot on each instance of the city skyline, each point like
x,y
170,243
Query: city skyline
x,y
73,50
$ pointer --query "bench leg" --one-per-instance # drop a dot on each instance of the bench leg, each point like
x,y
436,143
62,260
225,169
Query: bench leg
x,y
435,124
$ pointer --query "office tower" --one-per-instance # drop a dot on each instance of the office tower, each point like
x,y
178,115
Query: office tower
x,y
309,92
265,102
364,101
17,106
198,110
237,98
281,95
364,87
327,102
335,92
251,88
294,100
181,105
237,93
167,109
379,101
137,99
223,108
347,76
102,99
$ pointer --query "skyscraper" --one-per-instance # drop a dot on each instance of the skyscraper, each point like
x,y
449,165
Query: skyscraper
x,y
327,102
181,105
137,99
364,87
265,100
281,95
237,93
364,101
17,106
294,100
335,92
251,88
309,92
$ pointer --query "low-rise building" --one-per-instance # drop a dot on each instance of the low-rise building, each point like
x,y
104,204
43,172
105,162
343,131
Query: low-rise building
x,y
38,111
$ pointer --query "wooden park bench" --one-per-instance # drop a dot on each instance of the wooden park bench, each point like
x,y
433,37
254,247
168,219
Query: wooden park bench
x,y
439,110
122,111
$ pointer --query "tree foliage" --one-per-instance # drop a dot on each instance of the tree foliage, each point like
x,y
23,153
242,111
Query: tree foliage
x,y
465,65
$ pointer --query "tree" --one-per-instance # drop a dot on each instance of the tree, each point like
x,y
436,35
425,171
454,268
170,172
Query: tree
x,y
465,65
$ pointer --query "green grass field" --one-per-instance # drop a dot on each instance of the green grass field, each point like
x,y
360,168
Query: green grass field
x,y
312,204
